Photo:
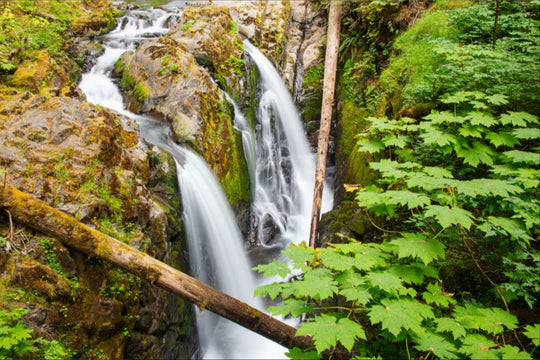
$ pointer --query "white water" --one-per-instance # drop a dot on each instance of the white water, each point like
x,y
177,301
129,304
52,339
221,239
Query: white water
x,y
285,167
215,244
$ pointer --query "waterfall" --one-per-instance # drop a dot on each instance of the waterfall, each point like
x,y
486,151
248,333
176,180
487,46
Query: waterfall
x,y
215,244
285,166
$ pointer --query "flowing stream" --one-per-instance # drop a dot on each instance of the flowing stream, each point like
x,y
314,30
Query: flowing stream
x,y
281,168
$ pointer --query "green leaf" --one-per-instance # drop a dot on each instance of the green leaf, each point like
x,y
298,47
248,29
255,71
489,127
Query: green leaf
x,y
479,153
329,329
318,284
300,255
497,99
358,294
490,320
426,182
444,117
385,281
447,217
437,172
397,141
436,344
533,333
485,187
450,325
273,290
409,273
481,118
291,306
395,315
518,156
418,246
435,295
527,133
274,268
297,353
434,136
502,139
406,198
471,131
332,259
518,119
509,352
479,347
370,145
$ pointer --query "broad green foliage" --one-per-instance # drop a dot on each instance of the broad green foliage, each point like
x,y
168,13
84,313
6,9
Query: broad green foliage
x,y
16,340
452,50
448,185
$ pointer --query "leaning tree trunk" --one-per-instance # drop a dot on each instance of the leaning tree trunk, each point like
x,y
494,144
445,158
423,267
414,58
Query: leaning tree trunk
x,y
329,84
36,214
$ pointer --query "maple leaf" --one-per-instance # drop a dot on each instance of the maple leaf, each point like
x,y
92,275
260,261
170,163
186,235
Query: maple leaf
x,y
452,326
481,118
272,290
518,156
410,274
436,344
502,139
397,141
508,352
273,268
434,136
386,281
447,217
329,329
478,153
437,172
370,145
479,347
300,255
398,314
444,117
527,133
497,99
417,245
297,353
291,306
360,295
407,198
434,295
520,119
317,284
471,131
533,333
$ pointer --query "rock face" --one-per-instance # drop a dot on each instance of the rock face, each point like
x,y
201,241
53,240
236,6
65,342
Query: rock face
x,y
90,163
171,77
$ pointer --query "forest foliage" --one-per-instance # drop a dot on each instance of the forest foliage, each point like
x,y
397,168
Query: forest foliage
x,y
454,256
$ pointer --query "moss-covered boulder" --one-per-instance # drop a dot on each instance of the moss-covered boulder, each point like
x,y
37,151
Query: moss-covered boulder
x,y
164,78
90,163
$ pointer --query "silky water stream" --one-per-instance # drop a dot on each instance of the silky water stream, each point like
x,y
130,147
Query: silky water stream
x,y
281,167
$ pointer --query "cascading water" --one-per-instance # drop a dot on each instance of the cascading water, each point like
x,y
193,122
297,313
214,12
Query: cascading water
x,y
215,244
285,166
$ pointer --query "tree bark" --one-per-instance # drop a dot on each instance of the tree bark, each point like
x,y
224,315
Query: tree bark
x,y
496,21
36,214
329,84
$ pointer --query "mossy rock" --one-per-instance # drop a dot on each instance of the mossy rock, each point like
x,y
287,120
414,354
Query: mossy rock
x,y
343,222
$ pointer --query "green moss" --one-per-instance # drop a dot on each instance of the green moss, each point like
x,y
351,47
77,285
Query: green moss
x,y
313,82
141,93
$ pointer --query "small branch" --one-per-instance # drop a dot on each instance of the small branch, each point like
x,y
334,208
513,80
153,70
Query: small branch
x,y
379,228
495,287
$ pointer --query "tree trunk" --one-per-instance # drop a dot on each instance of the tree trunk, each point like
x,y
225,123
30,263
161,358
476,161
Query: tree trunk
x,y
329,84
496,21
36,214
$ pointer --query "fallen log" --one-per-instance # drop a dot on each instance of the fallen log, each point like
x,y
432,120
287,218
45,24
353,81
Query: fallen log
x,y
36,214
